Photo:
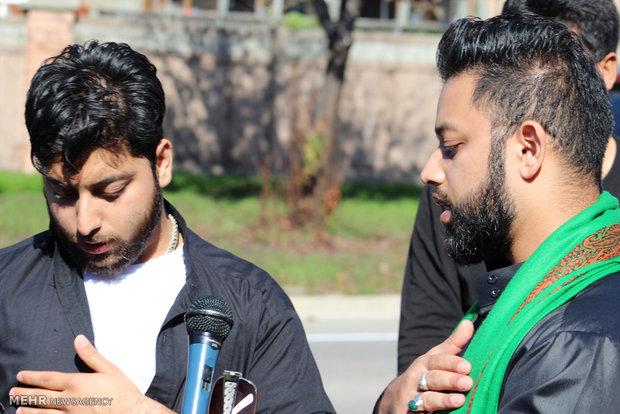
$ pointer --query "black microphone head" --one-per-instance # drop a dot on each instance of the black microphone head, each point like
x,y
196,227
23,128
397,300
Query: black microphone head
x,y
209,314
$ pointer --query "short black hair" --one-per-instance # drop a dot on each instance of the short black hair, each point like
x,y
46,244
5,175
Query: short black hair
x,y
96,95
531,68
596,20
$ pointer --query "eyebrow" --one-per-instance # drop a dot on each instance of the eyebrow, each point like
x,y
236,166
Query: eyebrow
x,y
56,182
439,131
446,126
100,183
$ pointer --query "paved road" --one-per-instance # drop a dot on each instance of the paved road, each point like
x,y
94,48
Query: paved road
x,y
353,339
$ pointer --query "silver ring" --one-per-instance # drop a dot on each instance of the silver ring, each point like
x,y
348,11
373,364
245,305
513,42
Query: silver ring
x,y
416,404
423,385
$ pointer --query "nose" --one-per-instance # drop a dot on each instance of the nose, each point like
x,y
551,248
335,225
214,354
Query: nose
x,y
432,173
87,216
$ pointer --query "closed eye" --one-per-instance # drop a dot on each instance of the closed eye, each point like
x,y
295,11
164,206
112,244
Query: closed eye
x,y
111,196
449,151
62,193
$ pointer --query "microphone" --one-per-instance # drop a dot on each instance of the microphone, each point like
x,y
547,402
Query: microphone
x,y
208,321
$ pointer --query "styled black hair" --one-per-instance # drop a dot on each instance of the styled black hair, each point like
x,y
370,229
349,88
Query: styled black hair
x,y
595,20
531,68
99,95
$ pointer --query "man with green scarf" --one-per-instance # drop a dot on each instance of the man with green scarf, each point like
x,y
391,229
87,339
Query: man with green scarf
x,y
522,122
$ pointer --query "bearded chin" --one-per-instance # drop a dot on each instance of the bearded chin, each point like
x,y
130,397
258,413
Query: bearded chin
x,y
125,252
480,225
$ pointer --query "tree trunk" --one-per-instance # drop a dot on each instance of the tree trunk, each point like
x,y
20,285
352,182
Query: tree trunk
x,y
324,193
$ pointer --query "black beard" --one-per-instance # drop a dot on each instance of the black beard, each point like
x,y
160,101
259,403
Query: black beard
x,y
480,225
124,254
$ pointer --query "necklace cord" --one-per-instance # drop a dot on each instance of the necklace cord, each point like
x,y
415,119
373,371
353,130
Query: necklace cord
x,y
175,234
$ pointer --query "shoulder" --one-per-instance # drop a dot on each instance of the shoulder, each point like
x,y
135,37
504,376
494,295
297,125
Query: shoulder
x,y
215,259
26,274
592,312
28,250
572,352
590,317
227,271
596,307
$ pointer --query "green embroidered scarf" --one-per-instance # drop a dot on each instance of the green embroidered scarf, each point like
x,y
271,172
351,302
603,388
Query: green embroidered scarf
x,y
580,252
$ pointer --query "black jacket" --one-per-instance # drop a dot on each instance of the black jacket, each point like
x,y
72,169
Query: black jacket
x,y
43,306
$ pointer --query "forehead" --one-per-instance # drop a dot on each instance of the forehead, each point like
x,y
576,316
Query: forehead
x,y
99,164
455,108
458,91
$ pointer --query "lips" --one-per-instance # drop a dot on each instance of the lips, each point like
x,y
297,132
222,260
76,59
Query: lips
x,y
441,200
95,248
446,215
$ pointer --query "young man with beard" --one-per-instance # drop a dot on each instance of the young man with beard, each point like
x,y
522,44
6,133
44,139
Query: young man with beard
x,y
437,291
118,268
523,122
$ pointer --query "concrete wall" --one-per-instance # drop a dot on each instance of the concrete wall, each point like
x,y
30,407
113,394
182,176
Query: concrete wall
x,y
236,93
13,81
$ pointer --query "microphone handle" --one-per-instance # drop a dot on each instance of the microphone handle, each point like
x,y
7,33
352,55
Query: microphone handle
x,y
203,353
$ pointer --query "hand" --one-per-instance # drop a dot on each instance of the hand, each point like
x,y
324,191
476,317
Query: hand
x,y
106,390
446,372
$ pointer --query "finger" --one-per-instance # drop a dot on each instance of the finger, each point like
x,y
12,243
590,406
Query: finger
x,y
91,357
447,362
443,380
30,399
462,334
436,401
28,396
49,380
34,410
455,343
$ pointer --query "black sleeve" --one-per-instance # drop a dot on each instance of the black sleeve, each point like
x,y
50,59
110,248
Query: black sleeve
x,y
436,292
283,367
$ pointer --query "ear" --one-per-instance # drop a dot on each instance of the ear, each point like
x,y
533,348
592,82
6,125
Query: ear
x,y
608,67
531,145
163,162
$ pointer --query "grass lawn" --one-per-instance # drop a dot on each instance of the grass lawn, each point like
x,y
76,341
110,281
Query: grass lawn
x,y
364,249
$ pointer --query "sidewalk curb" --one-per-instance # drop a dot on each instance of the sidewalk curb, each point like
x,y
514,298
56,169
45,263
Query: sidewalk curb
x,y
336,307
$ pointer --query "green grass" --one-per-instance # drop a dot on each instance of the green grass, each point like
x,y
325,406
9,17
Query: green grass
x,y
363,251
23,208
17,183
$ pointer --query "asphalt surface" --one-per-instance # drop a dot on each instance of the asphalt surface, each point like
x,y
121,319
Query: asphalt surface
x,y
353,339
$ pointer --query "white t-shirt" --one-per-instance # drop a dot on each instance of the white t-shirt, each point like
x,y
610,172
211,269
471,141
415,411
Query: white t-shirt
x,y
127,313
